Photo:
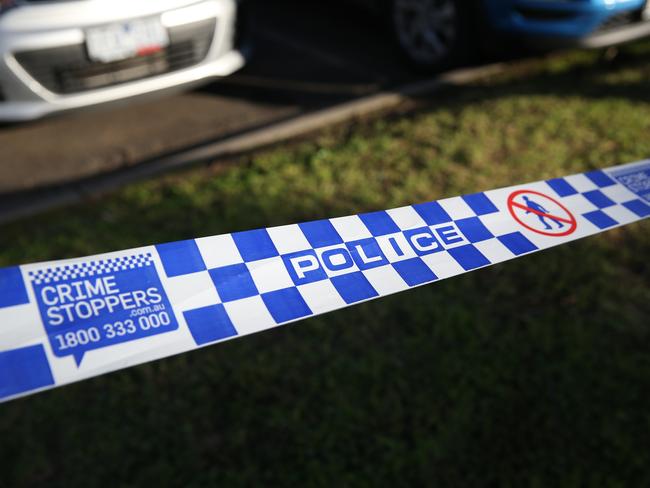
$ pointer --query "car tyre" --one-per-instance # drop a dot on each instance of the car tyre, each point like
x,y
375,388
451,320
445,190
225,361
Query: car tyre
x,y
432,34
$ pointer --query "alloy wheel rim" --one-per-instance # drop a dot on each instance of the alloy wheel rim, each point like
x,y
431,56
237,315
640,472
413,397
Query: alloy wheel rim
x,y
426,29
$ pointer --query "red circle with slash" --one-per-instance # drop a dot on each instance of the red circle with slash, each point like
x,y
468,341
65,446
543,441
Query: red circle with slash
x,y
563,216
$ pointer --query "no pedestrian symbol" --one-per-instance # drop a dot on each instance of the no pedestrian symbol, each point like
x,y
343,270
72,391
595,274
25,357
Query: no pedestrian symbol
x,y
541,213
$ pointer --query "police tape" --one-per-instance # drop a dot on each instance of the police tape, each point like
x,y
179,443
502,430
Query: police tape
x,y
64,321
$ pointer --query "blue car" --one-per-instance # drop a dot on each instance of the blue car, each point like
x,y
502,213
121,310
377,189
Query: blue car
x,y
585,23
434,33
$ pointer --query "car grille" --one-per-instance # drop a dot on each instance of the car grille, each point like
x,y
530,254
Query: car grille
x,y
68,69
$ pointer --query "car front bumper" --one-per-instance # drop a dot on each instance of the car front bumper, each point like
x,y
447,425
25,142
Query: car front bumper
x,y
569,23
610,37
29,92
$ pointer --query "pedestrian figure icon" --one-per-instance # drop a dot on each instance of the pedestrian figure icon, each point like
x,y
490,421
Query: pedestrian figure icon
x,y
542,218
541,213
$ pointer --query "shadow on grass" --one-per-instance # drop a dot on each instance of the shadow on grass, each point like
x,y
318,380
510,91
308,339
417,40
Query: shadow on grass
x,y
587,74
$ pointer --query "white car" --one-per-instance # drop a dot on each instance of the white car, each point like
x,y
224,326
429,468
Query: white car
x,y
68,54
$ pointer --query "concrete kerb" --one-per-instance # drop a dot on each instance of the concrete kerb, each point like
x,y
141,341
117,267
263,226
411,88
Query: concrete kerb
x,y
25,204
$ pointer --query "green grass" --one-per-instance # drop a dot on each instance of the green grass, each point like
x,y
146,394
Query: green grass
x,y
531,373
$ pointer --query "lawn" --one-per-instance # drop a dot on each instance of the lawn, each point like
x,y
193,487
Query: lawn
x,y
531,373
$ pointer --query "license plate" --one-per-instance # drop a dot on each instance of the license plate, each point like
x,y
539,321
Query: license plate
x,y
115,42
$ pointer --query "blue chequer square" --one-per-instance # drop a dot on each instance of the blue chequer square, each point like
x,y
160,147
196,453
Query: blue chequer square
x,y
480,203
414,271
304,267
379,223
517,243
474,229
600,178
468,257
320,233
353,287
366,253
180,258
561,186
209,324
598,198
432,213
23,370
423,241
233,282
600,219
254,244
638,207
12,287
286,304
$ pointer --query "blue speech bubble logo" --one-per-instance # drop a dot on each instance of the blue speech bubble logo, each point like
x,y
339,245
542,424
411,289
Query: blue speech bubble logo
x,y
99,303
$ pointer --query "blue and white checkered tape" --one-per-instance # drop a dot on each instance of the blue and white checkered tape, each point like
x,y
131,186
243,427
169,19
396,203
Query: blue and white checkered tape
x,y
64,321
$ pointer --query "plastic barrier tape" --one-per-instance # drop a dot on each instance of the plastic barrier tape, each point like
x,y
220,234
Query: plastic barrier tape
x,y
64,321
